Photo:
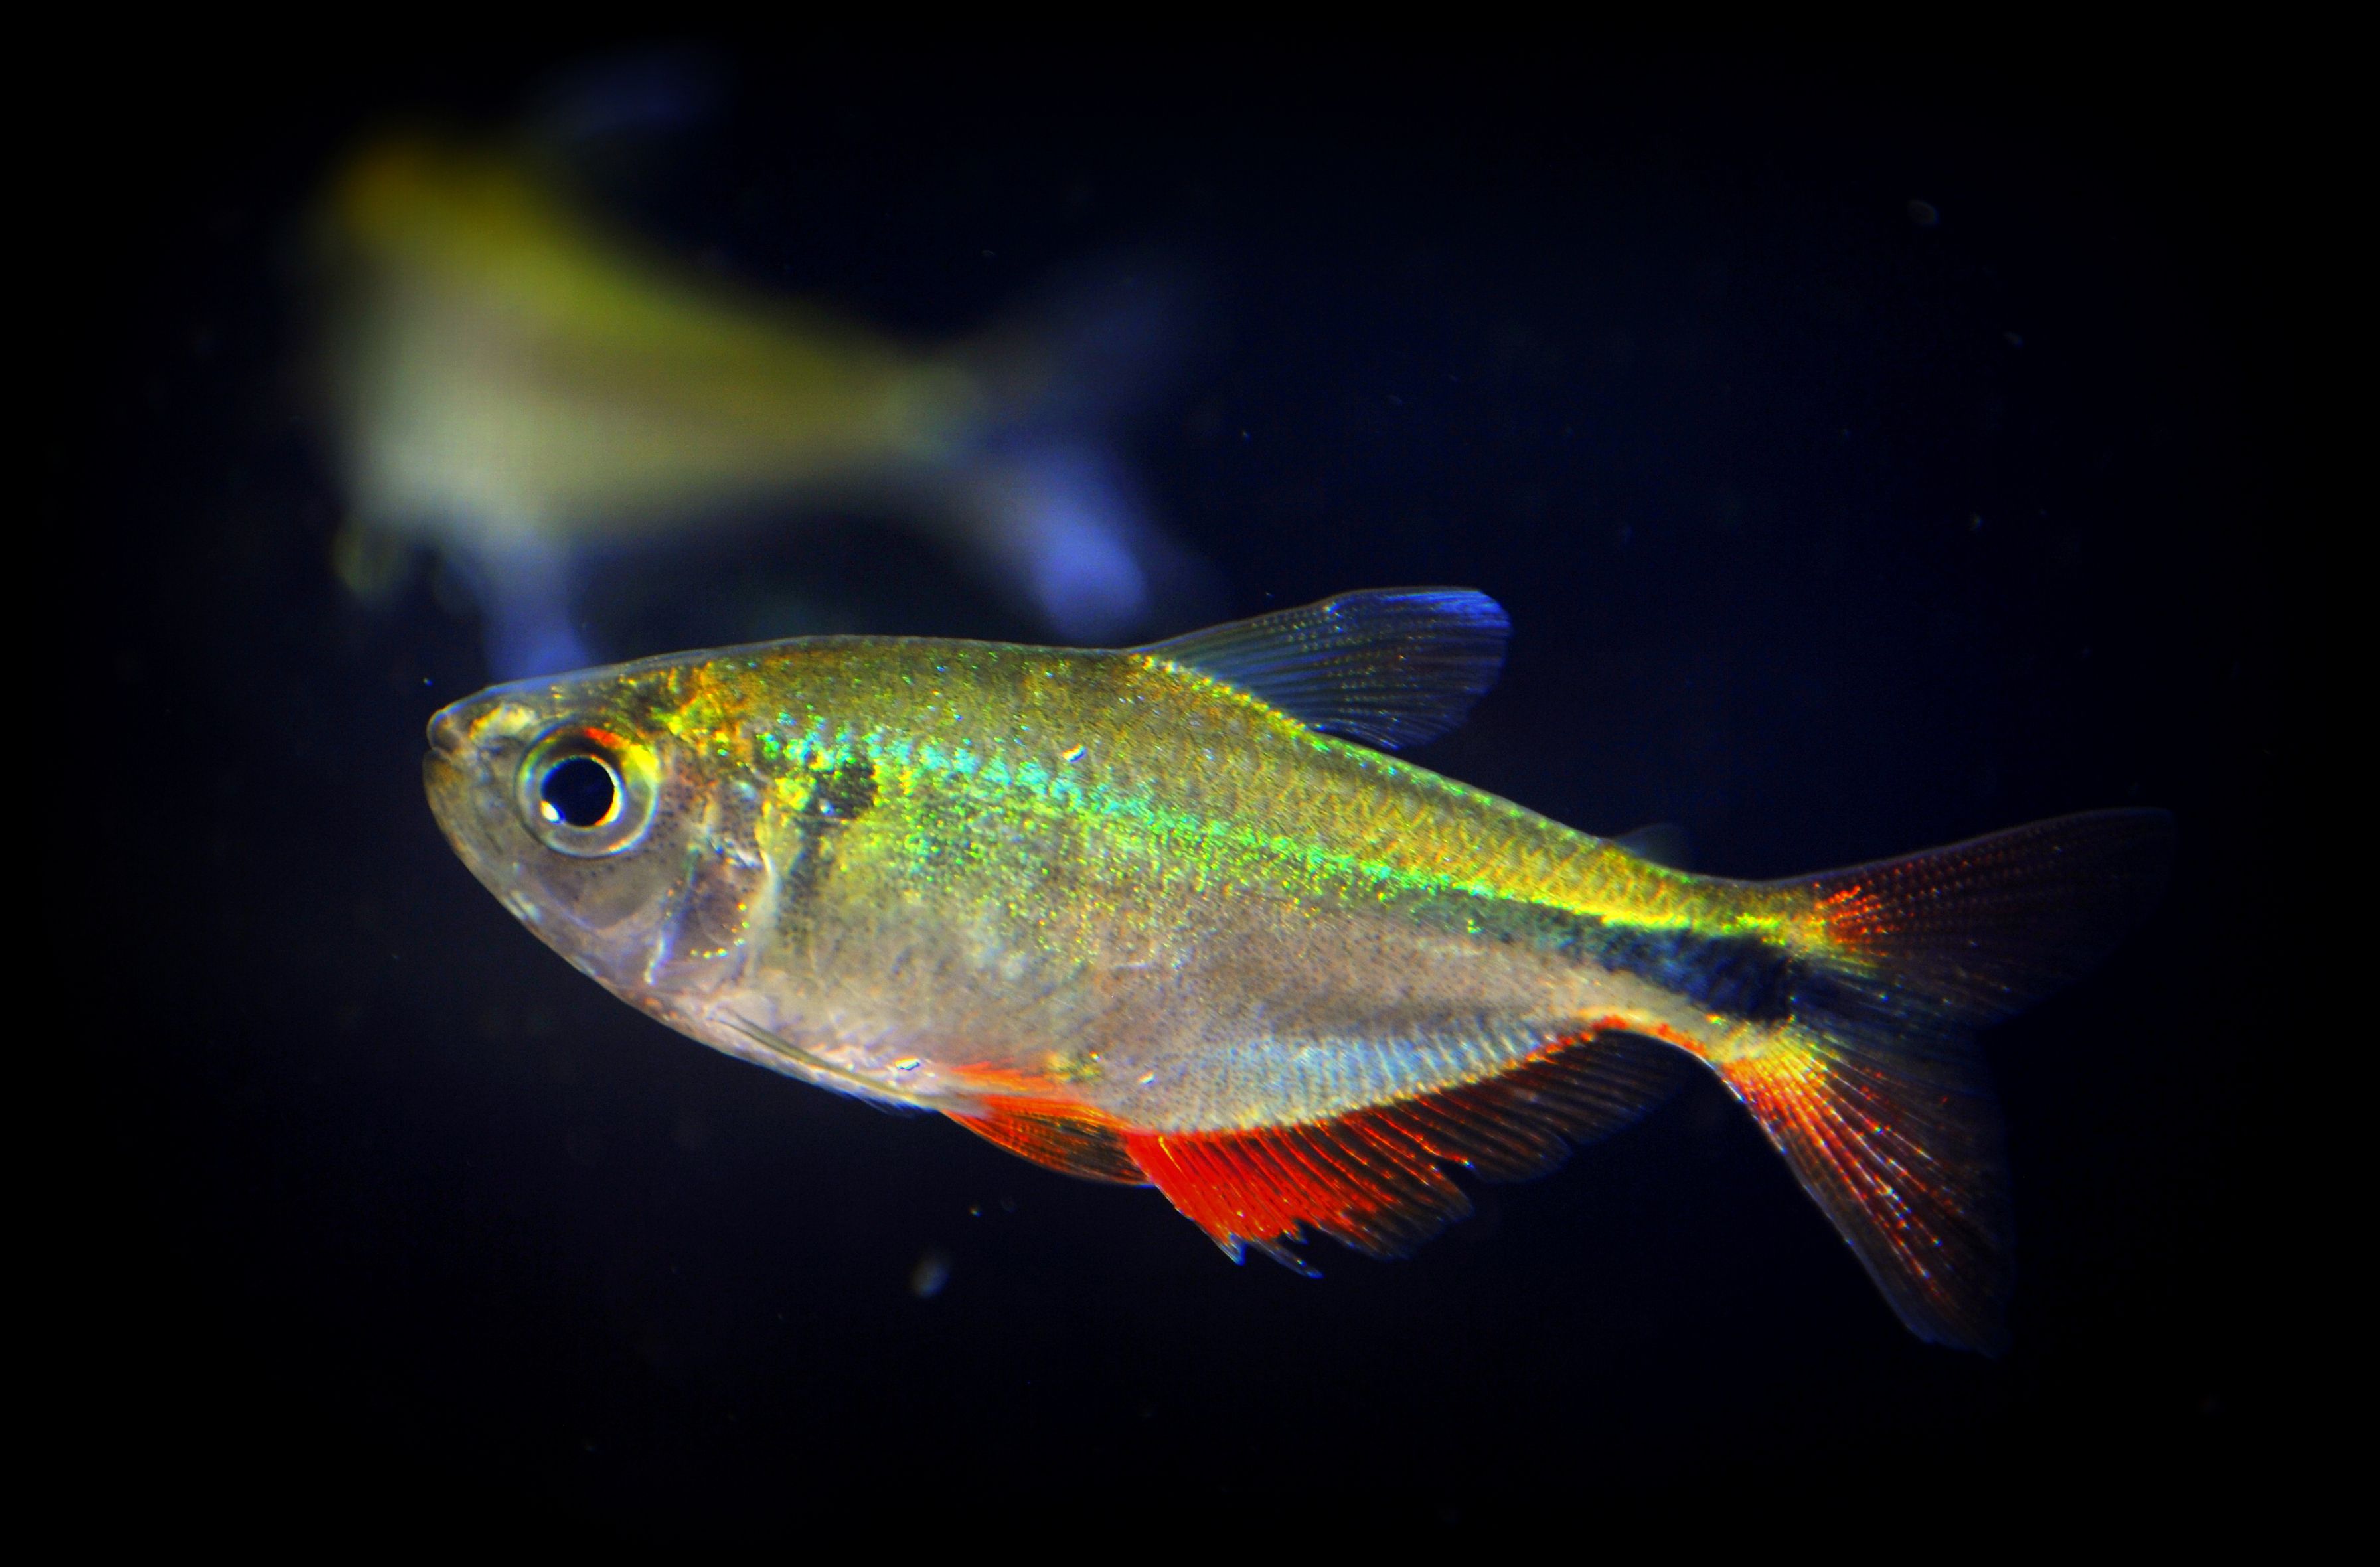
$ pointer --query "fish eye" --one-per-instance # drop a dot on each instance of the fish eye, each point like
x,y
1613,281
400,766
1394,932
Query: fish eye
x,y
580,791
585,792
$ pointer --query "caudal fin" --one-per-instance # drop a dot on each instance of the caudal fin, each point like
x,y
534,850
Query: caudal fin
x,y
1874,1088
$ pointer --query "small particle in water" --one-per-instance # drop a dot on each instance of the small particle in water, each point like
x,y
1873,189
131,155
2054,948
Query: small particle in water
x,y
933,1271
1975,522
1925,215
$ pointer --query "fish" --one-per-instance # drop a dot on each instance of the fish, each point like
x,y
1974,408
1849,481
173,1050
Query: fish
x,y
1174,915
514,383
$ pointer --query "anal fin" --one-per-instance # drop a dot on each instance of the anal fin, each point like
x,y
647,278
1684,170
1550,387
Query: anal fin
x,y
1057,1135
1377,1180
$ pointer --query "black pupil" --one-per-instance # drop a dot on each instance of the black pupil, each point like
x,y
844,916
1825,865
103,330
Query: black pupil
x,y
579,790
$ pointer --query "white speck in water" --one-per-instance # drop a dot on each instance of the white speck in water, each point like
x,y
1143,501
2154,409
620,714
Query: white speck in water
x,y
933,1271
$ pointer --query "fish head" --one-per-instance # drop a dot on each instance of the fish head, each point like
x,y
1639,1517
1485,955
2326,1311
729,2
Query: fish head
x,y
617,842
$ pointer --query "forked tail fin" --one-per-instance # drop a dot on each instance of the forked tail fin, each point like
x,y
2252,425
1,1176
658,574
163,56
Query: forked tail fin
x,y
1874,1088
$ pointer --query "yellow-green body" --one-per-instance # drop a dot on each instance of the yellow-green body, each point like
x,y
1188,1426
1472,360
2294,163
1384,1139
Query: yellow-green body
x,y
1099,877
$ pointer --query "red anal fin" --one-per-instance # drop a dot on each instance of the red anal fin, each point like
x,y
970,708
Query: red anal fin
x,y
1063,1136
1377,1180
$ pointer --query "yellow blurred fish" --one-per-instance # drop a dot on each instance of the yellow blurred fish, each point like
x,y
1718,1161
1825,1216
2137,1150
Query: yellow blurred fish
x,y
518,386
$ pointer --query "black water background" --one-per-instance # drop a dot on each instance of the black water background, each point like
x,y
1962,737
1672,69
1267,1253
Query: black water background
x,y
1827,532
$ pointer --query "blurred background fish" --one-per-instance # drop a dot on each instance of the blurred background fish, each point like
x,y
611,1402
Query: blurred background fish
x,y
539,397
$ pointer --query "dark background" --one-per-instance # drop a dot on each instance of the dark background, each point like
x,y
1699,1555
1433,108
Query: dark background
x,y
1827,531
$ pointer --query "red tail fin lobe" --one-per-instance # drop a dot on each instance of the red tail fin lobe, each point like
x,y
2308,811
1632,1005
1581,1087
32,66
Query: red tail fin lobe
x,y
1377,1180
1875,1090
1905,1158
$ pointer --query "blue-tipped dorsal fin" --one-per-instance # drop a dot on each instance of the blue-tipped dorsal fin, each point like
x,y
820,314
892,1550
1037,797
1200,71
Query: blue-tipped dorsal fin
x,y
1392,666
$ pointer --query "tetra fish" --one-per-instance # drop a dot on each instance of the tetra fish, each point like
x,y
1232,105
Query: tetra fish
x,y
1170,916
524,389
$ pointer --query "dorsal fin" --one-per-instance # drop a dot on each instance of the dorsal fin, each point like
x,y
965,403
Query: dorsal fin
x,y
1375,1180
1662,842
1062,1137
1391,667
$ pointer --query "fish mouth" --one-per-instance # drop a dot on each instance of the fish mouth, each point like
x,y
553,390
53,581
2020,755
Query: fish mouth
x,y
443,779
473,746
448,734
451,777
